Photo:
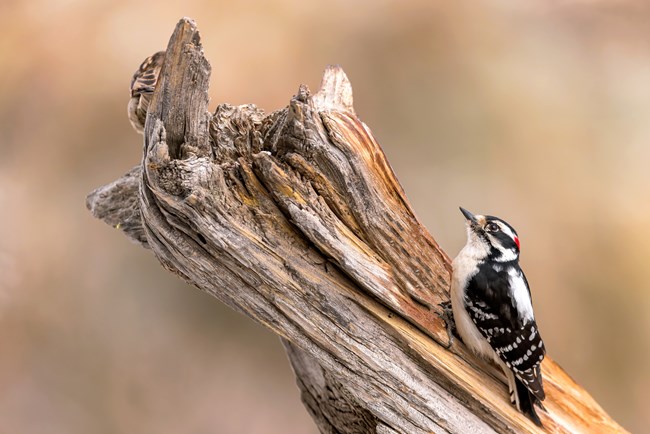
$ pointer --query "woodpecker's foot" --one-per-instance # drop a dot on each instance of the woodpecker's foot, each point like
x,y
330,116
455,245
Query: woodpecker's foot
x,y
447,316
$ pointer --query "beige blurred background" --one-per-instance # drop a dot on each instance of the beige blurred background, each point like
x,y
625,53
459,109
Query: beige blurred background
x,y
533,111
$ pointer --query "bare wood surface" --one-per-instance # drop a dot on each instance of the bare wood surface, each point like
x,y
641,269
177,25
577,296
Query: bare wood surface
x,y
296,219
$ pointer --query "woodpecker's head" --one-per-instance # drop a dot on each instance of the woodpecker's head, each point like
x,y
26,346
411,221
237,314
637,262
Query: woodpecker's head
x,y
491,236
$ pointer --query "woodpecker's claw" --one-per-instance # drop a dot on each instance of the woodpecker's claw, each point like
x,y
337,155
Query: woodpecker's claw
x,y
447,315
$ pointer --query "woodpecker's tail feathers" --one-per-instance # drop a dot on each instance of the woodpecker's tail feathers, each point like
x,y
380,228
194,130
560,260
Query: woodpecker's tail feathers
x,y
527,402
532,380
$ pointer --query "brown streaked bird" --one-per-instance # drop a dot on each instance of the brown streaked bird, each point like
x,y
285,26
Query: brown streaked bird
x,y
143,84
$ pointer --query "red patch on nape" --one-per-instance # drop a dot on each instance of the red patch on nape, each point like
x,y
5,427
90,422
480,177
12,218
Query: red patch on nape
x,y
517,243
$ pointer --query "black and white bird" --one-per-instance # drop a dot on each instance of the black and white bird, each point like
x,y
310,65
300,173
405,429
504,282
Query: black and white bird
x,y
493,310
143,85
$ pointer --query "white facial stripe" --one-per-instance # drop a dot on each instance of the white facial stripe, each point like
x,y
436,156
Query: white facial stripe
x,y
506,229
507,255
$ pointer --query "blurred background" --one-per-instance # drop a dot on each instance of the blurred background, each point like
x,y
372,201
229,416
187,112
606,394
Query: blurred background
x,y
533,111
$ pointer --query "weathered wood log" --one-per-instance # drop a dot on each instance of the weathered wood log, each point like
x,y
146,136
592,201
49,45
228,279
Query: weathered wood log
x,y
296,219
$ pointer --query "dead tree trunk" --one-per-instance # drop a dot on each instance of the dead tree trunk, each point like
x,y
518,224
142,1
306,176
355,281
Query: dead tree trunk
x,y
296,219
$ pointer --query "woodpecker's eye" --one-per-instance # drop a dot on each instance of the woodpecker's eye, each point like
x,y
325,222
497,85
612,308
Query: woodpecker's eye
x,y
492,227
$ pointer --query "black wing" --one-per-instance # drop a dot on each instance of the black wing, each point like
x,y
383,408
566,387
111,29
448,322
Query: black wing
x,y
491,306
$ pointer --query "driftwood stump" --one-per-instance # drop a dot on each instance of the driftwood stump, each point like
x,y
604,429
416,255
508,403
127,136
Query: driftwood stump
x,y
296,219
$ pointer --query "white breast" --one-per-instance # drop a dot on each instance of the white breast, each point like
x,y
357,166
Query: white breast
x,y
464,268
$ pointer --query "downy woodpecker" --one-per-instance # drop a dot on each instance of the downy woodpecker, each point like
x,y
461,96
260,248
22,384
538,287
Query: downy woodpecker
x,y
493,311
143,84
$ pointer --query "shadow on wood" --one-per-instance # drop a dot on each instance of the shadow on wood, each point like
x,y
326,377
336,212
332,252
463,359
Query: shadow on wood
x,y
296,219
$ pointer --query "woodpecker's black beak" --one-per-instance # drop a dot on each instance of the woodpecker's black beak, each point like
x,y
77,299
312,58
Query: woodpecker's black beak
x,y
468,215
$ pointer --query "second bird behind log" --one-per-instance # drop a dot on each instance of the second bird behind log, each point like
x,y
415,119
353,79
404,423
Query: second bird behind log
x,y
143,85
